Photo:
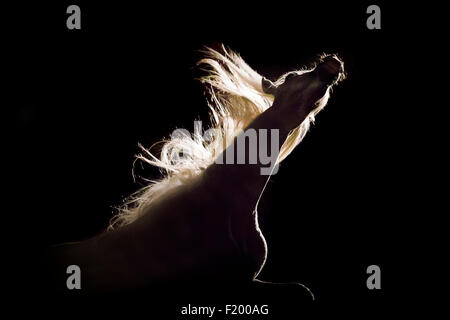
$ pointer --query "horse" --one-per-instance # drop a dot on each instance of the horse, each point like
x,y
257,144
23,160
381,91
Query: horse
x,y
200,220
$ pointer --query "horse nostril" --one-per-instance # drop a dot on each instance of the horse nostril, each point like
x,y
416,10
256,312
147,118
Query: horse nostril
x,y
330,69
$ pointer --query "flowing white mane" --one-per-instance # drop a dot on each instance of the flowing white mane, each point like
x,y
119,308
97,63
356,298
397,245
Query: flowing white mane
x,y
236,100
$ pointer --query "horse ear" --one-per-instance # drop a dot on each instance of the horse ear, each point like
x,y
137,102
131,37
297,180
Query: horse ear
x,y
268,86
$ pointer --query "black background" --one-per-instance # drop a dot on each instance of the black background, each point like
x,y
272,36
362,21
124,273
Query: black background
x,y
87,97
